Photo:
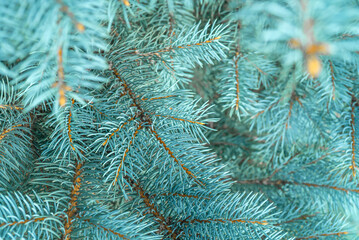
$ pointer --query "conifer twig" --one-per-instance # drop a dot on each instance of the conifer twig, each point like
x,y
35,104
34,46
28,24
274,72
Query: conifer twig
x,y
157,98
61,77
126,152
352,125
219,220
75,192
118,129
106,229
142,112
189,173
323,235
237,80
170,49
267,182
69,126
179,119
254,65
11,107
303,217
34,219
79,26
180,195
333,78
6,131
153,209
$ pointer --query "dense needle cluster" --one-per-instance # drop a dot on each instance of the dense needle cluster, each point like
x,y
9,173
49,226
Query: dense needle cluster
x,y
179,119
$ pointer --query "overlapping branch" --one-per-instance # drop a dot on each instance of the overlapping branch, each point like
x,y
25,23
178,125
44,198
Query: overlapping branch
x,y
142,113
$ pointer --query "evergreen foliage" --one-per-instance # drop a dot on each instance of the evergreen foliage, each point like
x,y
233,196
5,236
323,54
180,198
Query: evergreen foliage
x,y
169,119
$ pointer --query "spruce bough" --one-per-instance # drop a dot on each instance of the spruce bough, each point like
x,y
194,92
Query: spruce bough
x,y
198,119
